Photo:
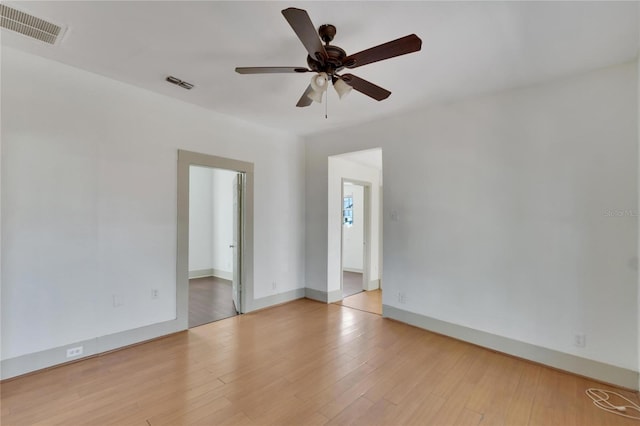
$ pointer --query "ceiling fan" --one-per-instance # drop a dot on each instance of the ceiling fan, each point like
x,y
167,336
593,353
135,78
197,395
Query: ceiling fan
x,y
327,60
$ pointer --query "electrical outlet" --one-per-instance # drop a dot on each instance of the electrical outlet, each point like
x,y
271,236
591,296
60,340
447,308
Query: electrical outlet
x,y
402,297
274,286
580,340
77,351
155,293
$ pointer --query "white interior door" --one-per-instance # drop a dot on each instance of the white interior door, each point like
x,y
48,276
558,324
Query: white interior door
x,y
236,293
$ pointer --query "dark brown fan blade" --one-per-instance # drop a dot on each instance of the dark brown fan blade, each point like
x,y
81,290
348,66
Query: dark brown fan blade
x,y
306,32
401,46
270,70
365,87
305,100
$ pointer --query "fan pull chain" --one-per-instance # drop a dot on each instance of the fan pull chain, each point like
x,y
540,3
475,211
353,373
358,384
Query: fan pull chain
x,y
326,105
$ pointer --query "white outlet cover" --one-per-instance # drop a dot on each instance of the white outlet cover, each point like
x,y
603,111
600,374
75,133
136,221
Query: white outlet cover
x,y
71,352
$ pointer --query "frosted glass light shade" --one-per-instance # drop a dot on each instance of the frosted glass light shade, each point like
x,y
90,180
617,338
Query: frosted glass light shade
x,y
316,96
319,84
342,88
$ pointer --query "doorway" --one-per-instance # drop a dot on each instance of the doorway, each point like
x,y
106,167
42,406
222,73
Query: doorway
x,y
214,218
354,256
218,254
355,211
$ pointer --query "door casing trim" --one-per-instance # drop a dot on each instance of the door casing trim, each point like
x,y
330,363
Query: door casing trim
x,y
185,160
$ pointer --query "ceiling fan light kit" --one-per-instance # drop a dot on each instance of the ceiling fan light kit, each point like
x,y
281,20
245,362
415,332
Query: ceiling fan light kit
x,y
319,84
327,60
342,88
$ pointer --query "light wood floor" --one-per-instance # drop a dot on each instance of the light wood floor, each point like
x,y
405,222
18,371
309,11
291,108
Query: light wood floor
x,y
368,301
302,363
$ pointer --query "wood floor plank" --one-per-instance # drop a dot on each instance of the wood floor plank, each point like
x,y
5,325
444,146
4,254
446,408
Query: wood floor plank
x,y
493,393
254,403
368,301
420,410
453,410
409,377
324,377
351,413
319,397
554,401
382,412
389,376
468,418
192,415
237,419
519,409
303,363
169,403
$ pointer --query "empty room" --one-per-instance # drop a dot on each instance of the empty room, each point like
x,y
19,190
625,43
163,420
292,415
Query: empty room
x,y
272,213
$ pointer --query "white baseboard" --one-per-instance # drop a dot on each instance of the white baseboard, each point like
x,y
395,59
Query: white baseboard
x,y
323,296
28,363
563,361
373,285
277,299
211,272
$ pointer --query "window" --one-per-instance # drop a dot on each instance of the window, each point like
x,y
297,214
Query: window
x,y
347,211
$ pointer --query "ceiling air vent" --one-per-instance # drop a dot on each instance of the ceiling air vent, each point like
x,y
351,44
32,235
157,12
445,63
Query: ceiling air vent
x,y
23,23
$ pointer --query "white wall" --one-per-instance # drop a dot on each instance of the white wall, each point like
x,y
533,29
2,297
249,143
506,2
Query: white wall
x,y
353,236
504,227
339,169
200,219
89,202
223,184
211,221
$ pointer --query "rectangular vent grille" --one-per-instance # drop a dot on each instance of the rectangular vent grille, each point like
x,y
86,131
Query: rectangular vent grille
x,y
28,25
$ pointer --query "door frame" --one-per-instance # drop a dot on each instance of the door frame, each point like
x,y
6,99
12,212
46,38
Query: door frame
x,y
185,160
237,239
366,231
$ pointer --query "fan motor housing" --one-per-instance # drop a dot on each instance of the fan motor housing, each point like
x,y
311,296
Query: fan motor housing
x,y
333,62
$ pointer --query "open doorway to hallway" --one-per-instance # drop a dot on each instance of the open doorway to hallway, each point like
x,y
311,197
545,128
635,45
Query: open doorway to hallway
x,y
359,230
353,244
213,217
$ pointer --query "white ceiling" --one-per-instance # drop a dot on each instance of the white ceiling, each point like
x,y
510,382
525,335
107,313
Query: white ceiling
x,y
468,48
